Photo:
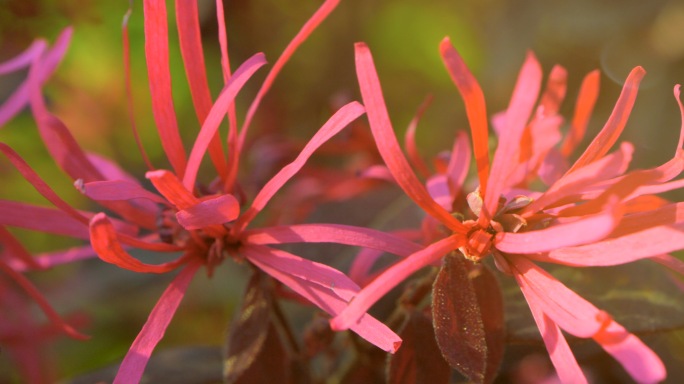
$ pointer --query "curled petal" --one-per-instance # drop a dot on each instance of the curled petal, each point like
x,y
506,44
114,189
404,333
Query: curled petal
x,y
105,243
214,211
116,190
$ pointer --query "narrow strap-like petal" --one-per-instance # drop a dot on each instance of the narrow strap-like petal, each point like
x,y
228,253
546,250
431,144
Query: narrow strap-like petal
x,y
14,251
573,183
517,115
392,277
117,190
53,259
565,308
106,244
157,56
332,233
213,211
582,231
621,250
316,19
35,294
584,106
459,164
475,107
190,39
387,142
42,187
172,188
559,351
133,365
635,357
616,122
215,116
335,124
325,296
410,140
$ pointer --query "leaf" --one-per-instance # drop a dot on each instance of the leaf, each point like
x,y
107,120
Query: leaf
x,y
249,330
467,311
419,359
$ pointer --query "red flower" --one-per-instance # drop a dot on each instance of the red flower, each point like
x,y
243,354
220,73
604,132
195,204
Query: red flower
x,y
593,213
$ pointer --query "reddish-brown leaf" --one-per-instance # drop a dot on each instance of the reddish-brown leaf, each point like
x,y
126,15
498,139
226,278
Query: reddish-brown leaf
x,y
468,318
249,330
419,359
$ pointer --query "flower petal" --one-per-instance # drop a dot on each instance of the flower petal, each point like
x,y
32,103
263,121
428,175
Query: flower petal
x,y
475,107
582,231
387,143
517,115
459,163
410,139
217,113
559,351
133,365
335,124
106,244
325,295
187,19
586,100
331,233
392,277
565,308
117,190
214,211
616,122
157,56
635,357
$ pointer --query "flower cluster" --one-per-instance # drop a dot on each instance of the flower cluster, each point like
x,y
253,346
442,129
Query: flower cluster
x,y
534,203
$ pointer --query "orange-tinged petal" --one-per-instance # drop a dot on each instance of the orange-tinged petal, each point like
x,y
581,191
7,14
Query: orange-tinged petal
x,y
410,139
586,100
157,55
387,143
475,107
106,244
616,122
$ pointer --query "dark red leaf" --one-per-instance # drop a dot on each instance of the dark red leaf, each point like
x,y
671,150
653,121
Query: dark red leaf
x,y
468,318
419,359
249,330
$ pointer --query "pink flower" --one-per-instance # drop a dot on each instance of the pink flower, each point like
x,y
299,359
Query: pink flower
x,y
592,214
205,225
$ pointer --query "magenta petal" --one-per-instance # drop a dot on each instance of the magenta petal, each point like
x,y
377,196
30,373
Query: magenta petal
x,y
217,210
621,250
517,115
117,190
559,351
459,163
635,357
335,124
585,230
286,263
331,233
392,277
217,113
157,56
133,365
438,188
565,308
616,122
387,143
325,296
53,259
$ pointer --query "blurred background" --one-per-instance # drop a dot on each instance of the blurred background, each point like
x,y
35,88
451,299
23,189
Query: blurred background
x,y
88,94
